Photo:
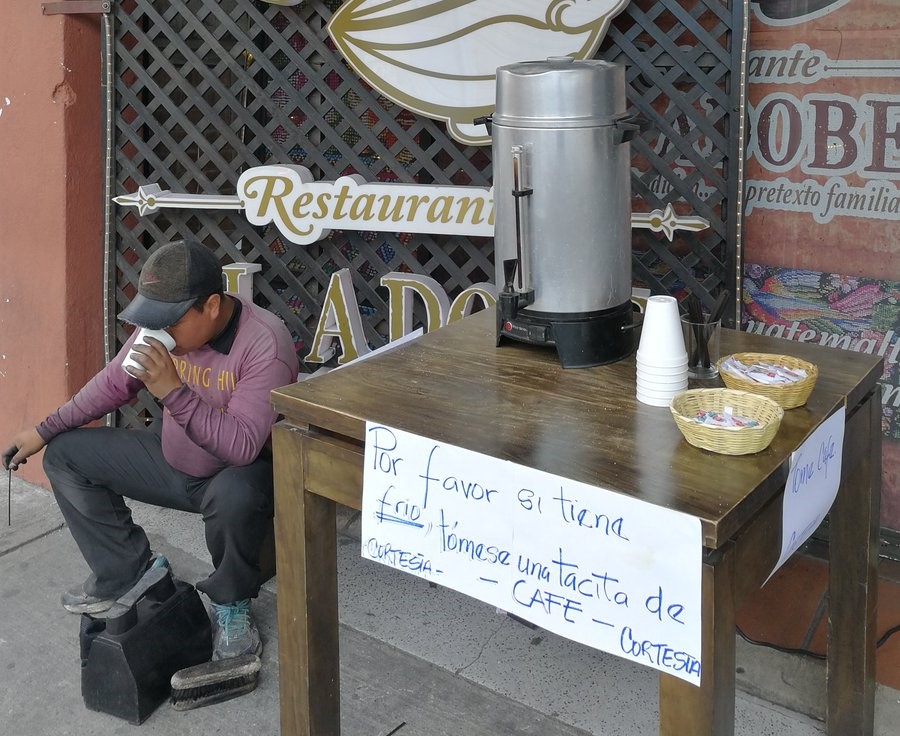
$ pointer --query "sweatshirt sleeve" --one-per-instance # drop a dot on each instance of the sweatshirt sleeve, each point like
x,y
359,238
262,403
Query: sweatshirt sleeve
x,y
108,390
236,433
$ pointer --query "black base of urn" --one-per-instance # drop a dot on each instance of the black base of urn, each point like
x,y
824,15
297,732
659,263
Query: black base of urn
x,y
581,340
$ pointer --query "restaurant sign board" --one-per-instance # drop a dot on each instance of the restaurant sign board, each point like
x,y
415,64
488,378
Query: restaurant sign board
x,y
305,211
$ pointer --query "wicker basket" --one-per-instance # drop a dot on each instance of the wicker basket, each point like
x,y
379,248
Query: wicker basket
x,y
727,441
787,395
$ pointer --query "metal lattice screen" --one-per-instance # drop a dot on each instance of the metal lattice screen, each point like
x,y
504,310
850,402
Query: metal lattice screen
x,y
204,89
683,61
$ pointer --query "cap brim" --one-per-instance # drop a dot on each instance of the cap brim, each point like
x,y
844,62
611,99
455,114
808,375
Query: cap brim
x,y
152,314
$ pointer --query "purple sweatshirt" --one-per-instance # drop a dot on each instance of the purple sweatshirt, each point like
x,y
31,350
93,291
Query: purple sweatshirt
x,y
221,415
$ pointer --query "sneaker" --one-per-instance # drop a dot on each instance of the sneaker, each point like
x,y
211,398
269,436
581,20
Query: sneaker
x,y
236,634
77,600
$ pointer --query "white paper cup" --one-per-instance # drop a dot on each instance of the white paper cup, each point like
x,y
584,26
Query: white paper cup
x,y
649,384
654,401
662,341
657,361
662,383
649,369
164,337
657,390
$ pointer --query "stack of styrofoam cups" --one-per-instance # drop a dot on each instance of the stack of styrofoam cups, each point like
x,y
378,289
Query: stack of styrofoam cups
x,y
662,362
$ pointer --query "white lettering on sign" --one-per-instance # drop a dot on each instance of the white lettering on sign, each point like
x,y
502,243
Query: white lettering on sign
x,y
823,134
878,200
305,210
812,484
801,64
828,134
603,569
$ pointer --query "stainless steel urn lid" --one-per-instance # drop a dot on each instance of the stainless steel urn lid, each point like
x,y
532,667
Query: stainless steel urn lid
x,y
560,93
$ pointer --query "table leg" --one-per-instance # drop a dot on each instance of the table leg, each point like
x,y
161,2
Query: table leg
x,y
707,710
307,595
853,577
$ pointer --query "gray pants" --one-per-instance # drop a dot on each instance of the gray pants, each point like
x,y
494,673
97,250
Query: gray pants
x,y
92,471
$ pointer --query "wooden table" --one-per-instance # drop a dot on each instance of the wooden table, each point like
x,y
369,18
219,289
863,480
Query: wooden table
x,y
517,404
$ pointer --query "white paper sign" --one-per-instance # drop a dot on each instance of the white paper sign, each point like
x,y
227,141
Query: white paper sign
x,y
609,571
812,484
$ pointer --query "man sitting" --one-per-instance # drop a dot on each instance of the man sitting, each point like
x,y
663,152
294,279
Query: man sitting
x,y
207,455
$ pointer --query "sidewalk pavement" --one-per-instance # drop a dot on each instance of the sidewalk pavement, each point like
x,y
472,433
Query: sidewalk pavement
x,y
416,660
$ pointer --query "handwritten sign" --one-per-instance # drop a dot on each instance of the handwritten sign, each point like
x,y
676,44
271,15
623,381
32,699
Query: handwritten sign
x,y
609,571
812,484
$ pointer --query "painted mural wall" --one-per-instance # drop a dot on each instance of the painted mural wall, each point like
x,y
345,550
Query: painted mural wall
x,y
822,202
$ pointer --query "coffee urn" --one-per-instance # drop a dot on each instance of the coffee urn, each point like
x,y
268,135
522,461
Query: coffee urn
x,y
562,198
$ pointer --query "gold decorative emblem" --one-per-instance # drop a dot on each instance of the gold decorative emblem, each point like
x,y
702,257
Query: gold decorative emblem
x,y
439,57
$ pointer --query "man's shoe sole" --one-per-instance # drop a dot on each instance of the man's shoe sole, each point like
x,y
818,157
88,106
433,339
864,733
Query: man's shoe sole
x,y
216,657
97,607
153,576
157,562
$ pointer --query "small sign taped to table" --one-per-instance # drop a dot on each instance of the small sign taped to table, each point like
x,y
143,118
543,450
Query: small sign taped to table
x,y
812,484
609,571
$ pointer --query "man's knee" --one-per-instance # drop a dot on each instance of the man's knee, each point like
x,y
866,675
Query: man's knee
x,y
58,452
238,496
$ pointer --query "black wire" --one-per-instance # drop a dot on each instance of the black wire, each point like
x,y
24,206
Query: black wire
x,y
887,635
806,652
778,648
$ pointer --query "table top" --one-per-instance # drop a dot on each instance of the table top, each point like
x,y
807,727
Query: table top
x,y
516,403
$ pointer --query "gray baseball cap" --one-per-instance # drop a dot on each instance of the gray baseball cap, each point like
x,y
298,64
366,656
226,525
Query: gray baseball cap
x,y
172,279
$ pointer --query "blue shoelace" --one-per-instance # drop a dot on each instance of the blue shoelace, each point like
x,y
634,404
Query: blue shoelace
x,y
234,619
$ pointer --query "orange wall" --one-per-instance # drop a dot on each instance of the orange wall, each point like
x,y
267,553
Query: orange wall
x,y
51,309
